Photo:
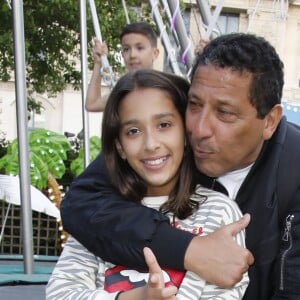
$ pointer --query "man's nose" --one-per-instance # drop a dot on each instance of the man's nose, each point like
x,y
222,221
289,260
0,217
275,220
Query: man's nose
x,y
201,125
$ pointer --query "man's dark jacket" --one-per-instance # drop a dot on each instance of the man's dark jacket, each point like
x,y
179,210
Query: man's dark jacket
x,y
117,230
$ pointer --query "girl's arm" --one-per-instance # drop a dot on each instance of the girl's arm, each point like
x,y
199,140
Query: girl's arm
x,y
77,275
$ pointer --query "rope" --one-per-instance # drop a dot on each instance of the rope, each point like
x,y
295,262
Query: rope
x,y
174,18
106,68
185,52
4,223
164,36
168,12
253,15
8,3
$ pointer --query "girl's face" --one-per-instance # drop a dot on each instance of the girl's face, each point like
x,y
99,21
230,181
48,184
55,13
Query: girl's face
x,y
152,138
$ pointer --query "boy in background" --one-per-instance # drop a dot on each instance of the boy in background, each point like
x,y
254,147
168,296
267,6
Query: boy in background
x,y
139,50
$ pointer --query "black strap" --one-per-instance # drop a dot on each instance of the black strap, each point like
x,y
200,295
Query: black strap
x,y
211,183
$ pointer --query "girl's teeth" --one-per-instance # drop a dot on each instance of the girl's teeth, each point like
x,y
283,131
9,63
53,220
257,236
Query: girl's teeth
x,y
156,161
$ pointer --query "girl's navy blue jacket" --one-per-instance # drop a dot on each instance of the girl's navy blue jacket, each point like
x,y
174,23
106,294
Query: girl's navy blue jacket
x,y
117,230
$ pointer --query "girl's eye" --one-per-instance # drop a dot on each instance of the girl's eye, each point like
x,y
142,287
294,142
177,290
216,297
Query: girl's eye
x,y
132,131
164,124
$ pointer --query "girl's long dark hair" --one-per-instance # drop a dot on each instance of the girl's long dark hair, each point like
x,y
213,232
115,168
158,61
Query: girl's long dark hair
x,y
122,176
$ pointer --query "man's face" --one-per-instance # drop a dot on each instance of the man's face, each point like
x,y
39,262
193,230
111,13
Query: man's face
x,y
137,52
222,125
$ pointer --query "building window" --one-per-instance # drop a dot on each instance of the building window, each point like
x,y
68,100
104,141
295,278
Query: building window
x,y
37,120
228,23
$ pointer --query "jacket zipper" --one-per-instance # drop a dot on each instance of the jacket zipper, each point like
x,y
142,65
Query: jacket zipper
x,y
287,237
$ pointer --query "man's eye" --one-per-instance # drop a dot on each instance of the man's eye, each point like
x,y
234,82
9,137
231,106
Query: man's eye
x,y
226,115
224,112
194,105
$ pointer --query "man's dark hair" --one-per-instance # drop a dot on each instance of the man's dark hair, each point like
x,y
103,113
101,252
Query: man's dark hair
x,y
248,53
141,28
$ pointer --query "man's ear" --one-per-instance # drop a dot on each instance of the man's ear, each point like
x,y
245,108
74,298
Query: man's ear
x,y
120,150
272,120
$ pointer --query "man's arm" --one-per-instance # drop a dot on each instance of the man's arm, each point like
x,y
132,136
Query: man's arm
x,y
117,230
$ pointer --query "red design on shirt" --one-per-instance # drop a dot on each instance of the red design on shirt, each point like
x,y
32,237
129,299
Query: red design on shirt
x,y
120,278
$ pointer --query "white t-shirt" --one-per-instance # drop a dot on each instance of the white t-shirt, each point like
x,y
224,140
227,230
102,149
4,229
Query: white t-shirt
x,y
232,181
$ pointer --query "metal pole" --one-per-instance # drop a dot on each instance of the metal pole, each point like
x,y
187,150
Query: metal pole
x,y
208,19
185,43
23,146
214,19
165,38
125,11
168,12
205,12
84,68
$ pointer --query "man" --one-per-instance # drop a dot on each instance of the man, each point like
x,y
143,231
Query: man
x,y
242,146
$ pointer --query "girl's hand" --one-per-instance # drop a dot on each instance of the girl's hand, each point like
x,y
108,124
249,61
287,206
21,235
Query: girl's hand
x,y
155,288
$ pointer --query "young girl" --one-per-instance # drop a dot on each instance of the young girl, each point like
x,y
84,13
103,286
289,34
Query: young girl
x,y
149,161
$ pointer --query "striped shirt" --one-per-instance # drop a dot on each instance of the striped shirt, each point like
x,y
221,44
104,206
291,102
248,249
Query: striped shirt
x,y
81,275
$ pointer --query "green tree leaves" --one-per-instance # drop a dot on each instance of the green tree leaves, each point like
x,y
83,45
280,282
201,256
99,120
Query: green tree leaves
x,y
52,40
47,153
77,165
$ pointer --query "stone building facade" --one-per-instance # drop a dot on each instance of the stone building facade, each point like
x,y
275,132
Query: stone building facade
x,y
276,20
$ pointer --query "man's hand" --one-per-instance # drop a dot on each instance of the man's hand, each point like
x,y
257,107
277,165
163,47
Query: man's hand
x,y
217,258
